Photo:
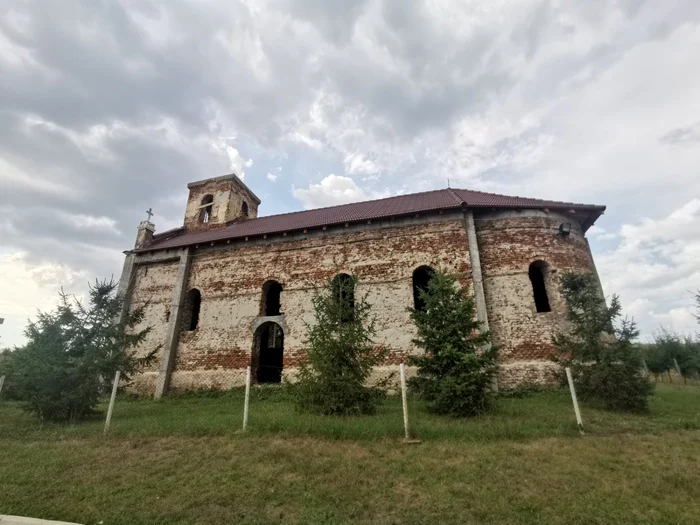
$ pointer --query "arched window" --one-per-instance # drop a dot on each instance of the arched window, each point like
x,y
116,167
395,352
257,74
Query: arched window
x,y
421,278
271,291
206,208
190,311
244,209
268,353
344,290
539,289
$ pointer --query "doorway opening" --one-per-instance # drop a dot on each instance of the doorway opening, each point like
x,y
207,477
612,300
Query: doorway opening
x,y
269,353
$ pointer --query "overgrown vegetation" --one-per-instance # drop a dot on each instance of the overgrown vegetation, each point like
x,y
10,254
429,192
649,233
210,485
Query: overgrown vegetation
x,y
669,348
673,352
599,348
458,367
72,355
340,353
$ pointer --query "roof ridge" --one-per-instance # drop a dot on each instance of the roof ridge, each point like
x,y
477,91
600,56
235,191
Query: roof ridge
x,y
349,204
526,198
392,206
459,199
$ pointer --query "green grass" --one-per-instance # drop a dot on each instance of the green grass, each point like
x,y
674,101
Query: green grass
x,y
544,414
182,461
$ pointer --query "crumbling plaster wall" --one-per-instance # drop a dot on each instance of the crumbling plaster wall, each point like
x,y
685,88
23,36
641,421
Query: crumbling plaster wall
x,y
230,279
508,242
153,287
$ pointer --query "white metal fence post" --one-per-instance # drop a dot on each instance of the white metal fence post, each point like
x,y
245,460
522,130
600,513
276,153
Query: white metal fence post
x,y
646,368
111,401
404,401
247,398
678,368
573,398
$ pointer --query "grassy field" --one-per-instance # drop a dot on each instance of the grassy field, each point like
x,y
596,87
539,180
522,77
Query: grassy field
x,y
182,461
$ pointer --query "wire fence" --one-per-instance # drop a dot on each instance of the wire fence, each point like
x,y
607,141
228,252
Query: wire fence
x,y
249,406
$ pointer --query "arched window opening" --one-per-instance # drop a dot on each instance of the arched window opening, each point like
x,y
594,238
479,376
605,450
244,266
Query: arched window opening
x,y
206,209
190,311
421,278
244,209
539,289
269,353
271,292
344,291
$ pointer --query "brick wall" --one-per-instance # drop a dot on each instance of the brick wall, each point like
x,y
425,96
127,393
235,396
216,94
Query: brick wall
x,y
153,287
508,243
230,279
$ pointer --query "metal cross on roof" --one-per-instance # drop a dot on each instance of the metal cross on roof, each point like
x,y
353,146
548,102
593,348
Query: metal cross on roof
x,y
149,211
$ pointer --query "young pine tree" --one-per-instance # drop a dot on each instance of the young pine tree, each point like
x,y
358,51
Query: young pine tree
x,y
599,347
340,353
458,367
73,352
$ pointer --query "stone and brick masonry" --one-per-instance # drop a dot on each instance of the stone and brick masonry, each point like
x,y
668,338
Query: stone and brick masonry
x,y
227,254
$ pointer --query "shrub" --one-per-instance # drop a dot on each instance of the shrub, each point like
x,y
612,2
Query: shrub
x,y
599,348
340,354
73,354
458,367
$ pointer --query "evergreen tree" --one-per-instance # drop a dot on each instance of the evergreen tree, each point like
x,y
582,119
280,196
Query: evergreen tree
x,y
73,353
458,367
340,353
599,348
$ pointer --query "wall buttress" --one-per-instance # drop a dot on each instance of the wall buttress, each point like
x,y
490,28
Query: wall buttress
x,y
172,337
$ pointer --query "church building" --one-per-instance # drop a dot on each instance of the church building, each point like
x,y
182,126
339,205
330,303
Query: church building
x,y
229,289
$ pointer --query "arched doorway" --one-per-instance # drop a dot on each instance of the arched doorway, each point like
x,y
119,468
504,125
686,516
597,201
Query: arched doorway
x,y
269,353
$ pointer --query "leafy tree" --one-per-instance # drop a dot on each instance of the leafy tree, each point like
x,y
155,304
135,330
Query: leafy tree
x,y
599,348
656,357
340,353
458,367
670,348
73,354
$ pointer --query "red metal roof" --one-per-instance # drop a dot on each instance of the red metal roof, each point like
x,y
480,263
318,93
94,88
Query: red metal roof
x,y
401,205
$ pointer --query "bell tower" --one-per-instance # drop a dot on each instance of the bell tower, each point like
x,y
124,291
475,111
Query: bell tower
x,y
216,202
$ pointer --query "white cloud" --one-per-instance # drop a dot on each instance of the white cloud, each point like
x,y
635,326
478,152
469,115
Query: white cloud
x,y
655,268
357,163
237,163
307,140
600,233
271,177
88,222
334,190
27,288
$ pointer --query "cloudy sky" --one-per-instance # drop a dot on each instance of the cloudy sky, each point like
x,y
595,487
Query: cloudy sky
x,y
108,108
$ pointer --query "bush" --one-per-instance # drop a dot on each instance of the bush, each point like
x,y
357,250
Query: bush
x,y
456,372
605,364
340,354
73,354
